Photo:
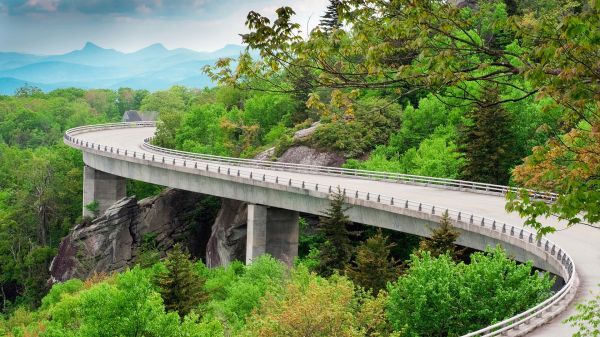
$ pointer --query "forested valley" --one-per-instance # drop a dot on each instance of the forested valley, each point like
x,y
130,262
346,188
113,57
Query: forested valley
x,y
494,91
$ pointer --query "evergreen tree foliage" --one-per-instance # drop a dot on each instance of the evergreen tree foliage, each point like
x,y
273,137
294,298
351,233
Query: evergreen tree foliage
x,y
331,20
181,287
486,141
336,252
442,239
373,267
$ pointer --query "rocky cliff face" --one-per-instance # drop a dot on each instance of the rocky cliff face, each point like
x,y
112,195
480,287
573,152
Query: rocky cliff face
x,y
228,238
112,241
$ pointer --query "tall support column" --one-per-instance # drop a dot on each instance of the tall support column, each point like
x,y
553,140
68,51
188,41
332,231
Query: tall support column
x,y
282,234
102,187
256,233
273,231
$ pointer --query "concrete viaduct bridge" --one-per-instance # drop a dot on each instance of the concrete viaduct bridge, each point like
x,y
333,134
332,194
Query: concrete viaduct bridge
x,y
277,192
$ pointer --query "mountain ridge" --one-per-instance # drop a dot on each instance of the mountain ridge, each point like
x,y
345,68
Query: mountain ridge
x,y
153,67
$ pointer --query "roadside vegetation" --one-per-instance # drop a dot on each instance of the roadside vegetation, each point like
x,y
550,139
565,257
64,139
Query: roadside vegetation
x,y
502,92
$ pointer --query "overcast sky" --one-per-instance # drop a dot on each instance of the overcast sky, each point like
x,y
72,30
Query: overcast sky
x,y
58,26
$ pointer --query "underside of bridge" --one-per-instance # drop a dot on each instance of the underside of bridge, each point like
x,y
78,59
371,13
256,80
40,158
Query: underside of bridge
x,y
271,230
293,199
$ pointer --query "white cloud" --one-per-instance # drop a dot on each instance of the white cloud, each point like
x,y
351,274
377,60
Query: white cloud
x,y
214,24
46,5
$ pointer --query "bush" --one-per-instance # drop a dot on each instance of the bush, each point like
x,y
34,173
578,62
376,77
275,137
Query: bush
x,y
309,305
237,290
435,156
438,297
373,122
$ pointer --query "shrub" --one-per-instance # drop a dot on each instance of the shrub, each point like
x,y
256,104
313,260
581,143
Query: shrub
x,y
432,298
373,122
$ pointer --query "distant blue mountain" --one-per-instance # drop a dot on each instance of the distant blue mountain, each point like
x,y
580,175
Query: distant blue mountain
x,y
153,68
55,72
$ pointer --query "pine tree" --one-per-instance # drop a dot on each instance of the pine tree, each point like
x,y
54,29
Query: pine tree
x,y
180,286
331,20
373,267
336,252
442,239
486,141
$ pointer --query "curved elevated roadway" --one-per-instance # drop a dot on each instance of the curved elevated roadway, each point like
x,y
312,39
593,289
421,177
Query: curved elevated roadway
x,y
399,202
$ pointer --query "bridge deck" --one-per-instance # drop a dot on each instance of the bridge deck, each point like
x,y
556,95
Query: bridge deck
x,y
581,241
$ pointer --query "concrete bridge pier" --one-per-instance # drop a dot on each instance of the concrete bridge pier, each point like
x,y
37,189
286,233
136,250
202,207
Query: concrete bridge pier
x,y
102,187
272,230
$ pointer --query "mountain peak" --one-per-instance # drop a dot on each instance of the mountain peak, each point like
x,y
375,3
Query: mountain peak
x,y
91,46
154,48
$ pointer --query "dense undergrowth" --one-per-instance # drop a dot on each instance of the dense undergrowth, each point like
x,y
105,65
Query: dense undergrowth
x,y
504,92
268,299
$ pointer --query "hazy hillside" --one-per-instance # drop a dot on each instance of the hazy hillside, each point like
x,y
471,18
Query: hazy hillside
x,y
154,67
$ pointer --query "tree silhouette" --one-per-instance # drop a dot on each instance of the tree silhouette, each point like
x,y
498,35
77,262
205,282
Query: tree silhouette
x,y
336,252
373,267
486,141
180,286
442,239
331,20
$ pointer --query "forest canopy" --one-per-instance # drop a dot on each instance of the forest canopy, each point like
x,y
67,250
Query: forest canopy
x,y
481,57
495,91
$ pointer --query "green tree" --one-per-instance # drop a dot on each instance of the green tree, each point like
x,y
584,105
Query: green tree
x,y
441,45
431,297
373,267
330,19
292,312
127,306
28,91
126,100
267,110
486,142
587,318
417,123
337,250
181,288
201,131
171,105
236,290
103,102
436,156
442,239
371,121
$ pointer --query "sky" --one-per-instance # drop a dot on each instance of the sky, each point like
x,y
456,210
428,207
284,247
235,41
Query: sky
x,y
59,26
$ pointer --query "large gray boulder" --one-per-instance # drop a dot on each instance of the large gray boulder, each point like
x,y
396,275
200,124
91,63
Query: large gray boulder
x,y
139,116
309,156
228,237
111,242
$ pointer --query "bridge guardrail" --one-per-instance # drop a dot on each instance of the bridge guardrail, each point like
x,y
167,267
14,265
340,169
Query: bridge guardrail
x,y
499,229
456,184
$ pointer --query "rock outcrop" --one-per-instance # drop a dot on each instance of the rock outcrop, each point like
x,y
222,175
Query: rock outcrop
x,y
112,241
228,238
309,156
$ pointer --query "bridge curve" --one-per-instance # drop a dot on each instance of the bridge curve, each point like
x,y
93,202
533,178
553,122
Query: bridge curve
x,y
404,203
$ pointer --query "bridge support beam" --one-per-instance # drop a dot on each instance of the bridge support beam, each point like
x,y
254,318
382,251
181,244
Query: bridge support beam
x,y
103,188
273,231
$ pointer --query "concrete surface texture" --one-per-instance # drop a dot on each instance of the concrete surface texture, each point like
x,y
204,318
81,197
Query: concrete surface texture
x,y
103,188
580,241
